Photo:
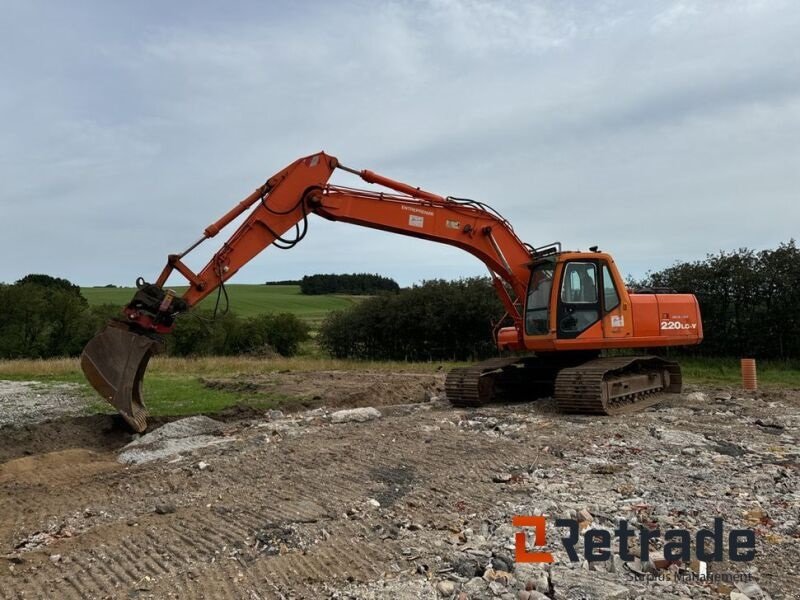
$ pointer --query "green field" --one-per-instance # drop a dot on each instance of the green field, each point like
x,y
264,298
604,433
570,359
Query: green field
x,y
245,300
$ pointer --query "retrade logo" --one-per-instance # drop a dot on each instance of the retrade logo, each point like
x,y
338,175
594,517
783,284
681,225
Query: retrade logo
x,y
709,544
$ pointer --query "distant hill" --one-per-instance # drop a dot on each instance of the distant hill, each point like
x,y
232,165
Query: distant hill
x,y
245,300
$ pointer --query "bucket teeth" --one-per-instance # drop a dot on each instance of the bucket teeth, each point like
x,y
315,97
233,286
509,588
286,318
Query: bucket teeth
x,y
114,362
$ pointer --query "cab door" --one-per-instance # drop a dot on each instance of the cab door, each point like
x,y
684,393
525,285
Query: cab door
x,y
579,307
617,321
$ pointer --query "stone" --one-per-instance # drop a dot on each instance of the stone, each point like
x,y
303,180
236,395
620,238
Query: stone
x,y
446,588
676,437
465,566
569,584
697,397
542,583
165,509
172,439
355,415
476,588
502,563
751,590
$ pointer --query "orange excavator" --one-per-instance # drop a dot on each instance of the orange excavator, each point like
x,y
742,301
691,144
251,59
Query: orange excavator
x,y
564,310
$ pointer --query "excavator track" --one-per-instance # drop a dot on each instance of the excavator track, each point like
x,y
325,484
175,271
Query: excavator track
x,y
475,385
616,385
606,386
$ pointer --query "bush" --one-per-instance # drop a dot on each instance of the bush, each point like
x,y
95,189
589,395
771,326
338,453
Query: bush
x,y
355,284
44,317
748,300
438,320
198,334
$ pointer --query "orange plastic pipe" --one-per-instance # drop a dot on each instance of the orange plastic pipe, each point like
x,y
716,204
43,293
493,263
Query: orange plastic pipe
x,y
749,374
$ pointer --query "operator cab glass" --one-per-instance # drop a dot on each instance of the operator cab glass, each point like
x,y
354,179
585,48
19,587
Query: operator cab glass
x,y
579,300
537,308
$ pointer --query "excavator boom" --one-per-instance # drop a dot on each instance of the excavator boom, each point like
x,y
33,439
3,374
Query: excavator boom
x,y
115,360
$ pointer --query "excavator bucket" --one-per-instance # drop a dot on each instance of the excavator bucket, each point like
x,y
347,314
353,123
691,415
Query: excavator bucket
x,y
114,362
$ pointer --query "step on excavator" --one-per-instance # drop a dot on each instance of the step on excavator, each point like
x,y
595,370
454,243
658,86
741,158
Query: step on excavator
x,y
569,317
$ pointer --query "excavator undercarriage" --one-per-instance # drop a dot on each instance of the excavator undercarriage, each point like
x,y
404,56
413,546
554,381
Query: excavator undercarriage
x,y
578,382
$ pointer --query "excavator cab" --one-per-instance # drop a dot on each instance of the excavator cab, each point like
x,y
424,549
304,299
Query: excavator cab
x,y
578,301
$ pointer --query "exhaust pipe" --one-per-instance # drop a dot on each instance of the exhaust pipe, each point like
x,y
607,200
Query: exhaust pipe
x,y
114,362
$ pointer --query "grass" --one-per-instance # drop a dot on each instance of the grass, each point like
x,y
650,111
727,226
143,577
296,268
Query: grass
x,y
245,300
173,385
726,371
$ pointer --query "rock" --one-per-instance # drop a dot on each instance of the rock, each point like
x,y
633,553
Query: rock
x,y
502,563
751,590
446,588
476,588
497,587
165,509
172,439
728,449
502,478
722,397
55,558
605,469
357,415
202,465
584,516
502,577
465,566
675,437
373,503
570,584
697,397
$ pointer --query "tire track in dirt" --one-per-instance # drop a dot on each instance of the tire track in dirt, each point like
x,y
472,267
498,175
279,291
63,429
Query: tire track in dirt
x,y
206,548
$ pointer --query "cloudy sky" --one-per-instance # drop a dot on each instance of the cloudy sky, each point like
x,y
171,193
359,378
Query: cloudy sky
x,y
659,130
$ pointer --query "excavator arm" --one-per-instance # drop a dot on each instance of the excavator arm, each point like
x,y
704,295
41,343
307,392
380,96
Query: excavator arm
x,y
115,360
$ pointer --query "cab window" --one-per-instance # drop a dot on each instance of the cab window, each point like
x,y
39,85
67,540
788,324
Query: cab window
x,y
537,313
610,295
579,283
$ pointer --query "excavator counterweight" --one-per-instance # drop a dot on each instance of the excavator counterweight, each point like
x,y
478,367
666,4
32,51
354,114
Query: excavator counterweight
x,y
563,308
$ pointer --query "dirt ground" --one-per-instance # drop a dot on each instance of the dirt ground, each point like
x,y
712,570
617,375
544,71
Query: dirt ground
x,y
416,503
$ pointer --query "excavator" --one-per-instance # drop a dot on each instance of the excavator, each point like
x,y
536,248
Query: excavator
x,y
569,322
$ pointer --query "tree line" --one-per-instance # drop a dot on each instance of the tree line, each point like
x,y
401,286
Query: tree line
x,y
361,284
437,320
748,299
45,317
